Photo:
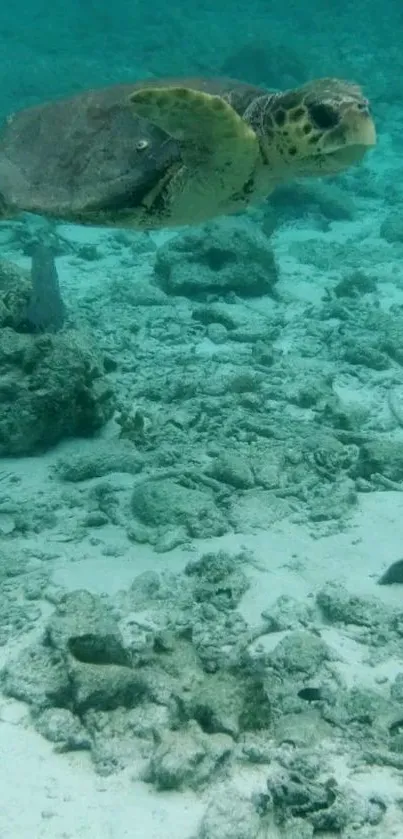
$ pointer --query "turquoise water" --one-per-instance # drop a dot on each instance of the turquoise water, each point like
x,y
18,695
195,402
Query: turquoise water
x,y
201,436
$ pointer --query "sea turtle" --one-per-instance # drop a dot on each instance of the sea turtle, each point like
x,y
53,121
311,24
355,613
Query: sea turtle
x,y
176,151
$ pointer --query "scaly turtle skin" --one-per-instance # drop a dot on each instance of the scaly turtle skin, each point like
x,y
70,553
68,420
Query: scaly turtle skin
x,y
171,152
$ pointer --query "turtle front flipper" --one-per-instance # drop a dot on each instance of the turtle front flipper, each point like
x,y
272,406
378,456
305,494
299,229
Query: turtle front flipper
x,y
219,151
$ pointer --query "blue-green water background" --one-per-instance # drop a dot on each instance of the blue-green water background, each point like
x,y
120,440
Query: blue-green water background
x,y
48,49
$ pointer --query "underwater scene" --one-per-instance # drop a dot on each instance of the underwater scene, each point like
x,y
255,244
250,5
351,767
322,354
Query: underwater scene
x,y
201,419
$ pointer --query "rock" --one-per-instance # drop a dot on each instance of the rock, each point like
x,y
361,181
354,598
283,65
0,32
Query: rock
x,y
233,469
63,729
366,354
298,829
300,652
393,574
223,257
382,456
125,737
392,228
83,627
15,294
104,458
187,758
292,201
332,500
38,677
217,333
396,689
105,687
304,730
299,793
230,815
364,708
216,703
166,503
51,387
339,606
218,579
355,284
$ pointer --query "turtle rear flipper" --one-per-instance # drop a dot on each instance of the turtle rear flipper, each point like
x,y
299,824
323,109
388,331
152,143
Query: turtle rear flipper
x,y
219,150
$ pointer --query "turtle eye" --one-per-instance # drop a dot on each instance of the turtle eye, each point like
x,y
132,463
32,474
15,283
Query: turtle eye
x,y
141,145
324,116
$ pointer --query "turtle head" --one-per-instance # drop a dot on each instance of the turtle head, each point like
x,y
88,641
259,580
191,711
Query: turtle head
x,y
320,129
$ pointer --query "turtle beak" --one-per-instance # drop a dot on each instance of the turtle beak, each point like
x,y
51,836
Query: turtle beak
x,y
352,138
359,126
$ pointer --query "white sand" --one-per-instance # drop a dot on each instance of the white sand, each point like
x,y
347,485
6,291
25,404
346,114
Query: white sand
x,y
60,797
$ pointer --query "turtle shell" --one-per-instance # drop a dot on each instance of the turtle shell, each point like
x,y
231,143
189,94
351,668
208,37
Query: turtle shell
x,y
88,158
